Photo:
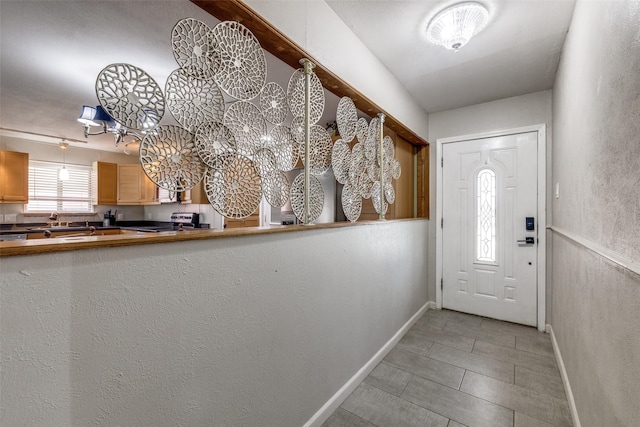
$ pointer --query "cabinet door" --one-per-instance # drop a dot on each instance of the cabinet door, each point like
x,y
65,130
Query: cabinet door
x,y
148,191
198,195
129,184
105,183
14,177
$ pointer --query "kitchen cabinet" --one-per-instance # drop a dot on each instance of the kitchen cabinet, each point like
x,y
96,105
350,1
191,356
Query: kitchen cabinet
x,y
166,196
198,195
104,183
14,177
252,220
134,187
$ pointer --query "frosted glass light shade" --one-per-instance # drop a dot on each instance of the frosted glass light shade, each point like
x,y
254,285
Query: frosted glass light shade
x,y
63,175
454,26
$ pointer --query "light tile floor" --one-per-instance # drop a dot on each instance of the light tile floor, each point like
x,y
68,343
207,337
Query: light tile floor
x,y
454,369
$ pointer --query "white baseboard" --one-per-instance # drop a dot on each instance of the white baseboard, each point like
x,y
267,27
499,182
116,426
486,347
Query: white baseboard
x,y
565,378
431,305
341,395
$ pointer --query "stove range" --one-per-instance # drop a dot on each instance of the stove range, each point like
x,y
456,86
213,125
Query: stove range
x,y
180,221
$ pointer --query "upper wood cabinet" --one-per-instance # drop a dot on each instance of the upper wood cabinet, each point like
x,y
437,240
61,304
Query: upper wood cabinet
x,y
104,182
198,194
134,187
14,177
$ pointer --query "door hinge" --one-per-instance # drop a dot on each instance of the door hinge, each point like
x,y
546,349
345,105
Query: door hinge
x,y
441,222
442,161
441,283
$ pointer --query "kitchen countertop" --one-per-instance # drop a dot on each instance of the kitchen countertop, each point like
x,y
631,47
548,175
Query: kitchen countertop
x,y
129,238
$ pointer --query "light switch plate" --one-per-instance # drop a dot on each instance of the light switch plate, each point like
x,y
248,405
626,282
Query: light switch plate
x,y
120,216
10,218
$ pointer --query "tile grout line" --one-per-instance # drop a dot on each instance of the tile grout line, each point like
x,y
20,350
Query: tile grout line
x,y
356,415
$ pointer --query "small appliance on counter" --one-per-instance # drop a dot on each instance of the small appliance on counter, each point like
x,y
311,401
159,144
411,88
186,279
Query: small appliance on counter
x,y
109,219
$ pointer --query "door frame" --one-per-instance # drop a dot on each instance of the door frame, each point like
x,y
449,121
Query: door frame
x,y
541,214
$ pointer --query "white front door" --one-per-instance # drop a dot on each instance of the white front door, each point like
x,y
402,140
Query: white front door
x,y
489,189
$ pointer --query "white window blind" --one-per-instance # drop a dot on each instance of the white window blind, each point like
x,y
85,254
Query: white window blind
x,y
47,193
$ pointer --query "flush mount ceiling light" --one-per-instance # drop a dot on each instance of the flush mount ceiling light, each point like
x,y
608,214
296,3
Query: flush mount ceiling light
x,y
454,26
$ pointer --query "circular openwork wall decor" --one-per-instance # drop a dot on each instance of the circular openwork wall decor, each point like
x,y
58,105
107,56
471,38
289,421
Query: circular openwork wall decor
x,y
235,189
194,48
358,161
130,96
297,129
275,188
265,161
366,187
212,140
248,126
375,198
351,203
273,103
243,68
389,192
193,102
319,151
373,170
284,147
388,149
295,96
395,169
347,119
358,176
371,149
341,160
374,130
170,159
316,198
362,129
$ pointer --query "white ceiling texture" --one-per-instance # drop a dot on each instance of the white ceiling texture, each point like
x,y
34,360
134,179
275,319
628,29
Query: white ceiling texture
x,y
52,51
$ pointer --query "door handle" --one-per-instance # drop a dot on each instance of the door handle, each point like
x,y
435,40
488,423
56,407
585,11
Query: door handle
x,y
527,241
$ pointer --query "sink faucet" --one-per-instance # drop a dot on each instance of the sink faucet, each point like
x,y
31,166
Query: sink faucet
x,y
53,218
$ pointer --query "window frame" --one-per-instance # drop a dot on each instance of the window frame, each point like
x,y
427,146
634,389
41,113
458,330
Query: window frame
x,y
77,192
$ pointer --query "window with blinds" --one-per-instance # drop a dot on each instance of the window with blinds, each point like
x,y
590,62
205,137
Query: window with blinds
x,y
48,194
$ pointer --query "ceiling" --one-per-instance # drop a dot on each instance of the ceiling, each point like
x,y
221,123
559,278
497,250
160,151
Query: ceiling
x,y
517,52
51,53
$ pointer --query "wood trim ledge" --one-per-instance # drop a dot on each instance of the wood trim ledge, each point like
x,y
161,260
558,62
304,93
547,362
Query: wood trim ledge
x,y
61,244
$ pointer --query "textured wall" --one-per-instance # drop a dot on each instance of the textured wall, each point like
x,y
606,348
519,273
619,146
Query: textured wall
x,y
519,111
597,116
246,331
596,160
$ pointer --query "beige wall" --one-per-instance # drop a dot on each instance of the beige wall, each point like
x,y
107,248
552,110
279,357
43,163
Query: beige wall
x,y
596,160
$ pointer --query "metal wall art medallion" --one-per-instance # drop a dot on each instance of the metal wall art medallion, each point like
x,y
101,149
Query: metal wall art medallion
x,y
243,67
195,49
130,96
316,198
234,189
193,102
170,159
